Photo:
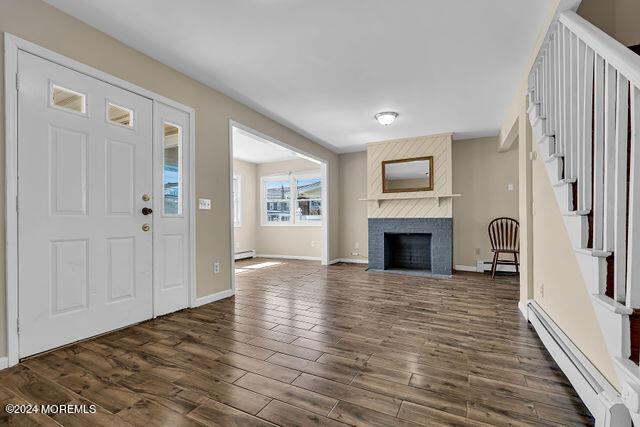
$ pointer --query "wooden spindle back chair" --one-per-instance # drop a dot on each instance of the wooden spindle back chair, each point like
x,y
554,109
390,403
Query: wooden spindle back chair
x,y
505,239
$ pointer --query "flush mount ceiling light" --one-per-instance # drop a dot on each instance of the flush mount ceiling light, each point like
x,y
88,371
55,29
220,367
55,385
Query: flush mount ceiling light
x,y
386,117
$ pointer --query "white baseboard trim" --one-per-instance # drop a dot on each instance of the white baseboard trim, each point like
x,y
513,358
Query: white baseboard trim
x,y
4,363
244,255
349,261
214,297
487,267
298,257
522,306
600,397
465,268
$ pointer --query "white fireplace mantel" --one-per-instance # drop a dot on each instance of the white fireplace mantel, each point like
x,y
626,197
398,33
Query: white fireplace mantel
x,y
381,199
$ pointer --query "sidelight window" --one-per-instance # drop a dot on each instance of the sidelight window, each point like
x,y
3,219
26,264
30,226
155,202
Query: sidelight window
x,y
172,169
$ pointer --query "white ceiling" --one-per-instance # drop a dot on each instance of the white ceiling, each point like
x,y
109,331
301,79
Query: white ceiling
x,y
252,148
324,68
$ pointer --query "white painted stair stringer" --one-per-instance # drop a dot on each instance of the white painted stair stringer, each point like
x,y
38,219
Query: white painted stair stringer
x,y
612,317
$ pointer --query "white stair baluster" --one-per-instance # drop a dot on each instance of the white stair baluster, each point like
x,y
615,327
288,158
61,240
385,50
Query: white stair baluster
x,y
573,103
633,260
587,132
580,139
620,188
598,155
611,77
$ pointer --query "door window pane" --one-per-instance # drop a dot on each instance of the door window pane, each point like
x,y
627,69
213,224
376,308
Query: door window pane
x,y
277,199
309,199
172,171
68,99
120,115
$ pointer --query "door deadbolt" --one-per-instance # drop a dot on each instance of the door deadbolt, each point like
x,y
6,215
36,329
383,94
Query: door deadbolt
x,y
146,197
147,211
145,227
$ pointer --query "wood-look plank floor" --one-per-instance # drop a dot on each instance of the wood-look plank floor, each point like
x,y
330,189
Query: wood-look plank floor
x,y
302,344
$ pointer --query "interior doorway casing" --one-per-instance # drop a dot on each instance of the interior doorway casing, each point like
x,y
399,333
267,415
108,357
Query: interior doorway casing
x,y
324,176
13,45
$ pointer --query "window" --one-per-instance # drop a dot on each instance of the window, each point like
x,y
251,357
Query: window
x,y
172,169
237,213
308,199
119,115
278,200
68,99
292,199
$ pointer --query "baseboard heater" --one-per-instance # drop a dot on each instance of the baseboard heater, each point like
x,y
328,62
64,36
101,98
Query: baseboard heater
x,y
600,397
244,255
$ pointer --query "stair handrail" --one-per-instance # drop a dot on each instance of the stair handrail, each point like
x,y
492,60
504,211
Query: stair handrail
x,y
615,53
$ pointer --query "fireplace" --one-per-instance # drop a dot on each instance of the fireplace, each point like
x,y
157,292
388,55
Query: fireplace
x,y
417,246
407,251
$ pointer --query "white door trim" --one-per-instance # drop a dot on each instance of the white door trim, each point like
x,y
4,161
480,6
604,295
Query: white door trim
x,y
324,176
12,45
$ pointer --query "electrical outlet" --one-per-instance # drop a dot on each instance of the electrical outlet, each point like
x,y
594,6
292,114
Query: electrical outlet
x,y
313,244
477,251
510,187
216,267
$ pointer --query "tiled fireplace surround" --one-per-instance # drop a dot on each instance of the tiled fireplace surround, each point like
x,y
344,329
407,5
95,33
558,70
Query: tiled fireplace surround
x,y
439,229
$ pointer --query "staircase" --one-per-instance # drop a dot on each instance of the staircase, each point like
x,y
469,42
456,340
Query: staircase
x,y
584,108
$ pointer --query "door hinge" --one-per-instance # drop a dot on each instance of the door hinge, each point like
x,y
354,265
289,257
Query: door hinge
x,y
17,82
17,205
18,325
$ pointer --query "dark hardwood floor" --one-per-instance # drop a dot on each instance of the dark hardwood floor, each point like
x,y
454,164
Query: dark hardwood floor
x,y
302,344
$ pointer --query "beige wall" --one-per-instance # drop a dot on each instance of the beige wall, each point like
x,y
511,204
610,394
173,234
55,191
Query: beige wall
x,y
354,239
618,18
558,284
289,240
245,235
40,23
482,175
438,146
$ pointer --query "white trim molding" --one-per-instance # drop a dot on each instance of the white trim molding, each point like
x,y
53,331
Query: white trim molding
x,y
244,254
503,268
296,257
4,363
600,397
214,297
324,177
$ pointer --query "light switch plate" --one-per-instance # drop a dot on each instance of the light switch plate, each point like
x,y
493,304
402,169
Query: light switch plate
x,y
204,203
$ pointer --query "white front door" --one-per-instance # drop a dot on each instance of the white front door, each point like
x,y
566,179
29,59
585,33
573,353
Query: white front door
x,y
84,173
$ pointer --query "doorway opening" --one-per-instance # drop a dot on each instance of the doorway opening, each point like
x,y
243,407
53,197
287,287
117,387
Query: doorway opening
x,y
278,201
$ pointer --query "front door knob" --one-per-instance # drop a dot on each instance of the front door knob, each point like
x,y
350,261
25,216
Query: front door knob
x,y
145,227
147,211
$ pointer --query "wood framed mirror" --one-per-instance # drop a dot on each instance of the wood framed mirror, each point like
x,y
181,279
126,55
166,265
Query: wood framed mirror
x,y
407,175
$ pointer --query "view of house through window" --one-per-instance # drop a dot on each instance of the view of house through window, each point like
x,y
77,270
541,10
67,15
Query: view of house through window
x,y
278,193
309,199
278,200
